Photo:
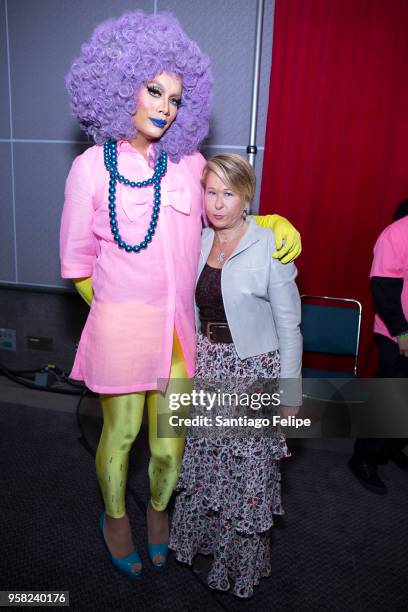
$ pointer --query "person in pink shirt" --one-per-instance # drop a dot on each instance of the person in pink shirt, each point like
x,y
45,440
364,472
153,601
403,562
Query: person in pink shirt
x,y
389,287
130,240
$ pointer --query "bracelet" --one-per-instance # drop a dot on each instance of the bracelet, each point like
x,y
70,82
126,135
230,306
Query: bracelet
x,y
403,335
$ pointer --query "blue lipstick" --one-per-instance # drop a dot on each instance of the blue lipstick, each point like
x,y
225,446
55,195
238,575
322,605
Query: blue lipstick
x,y
160,123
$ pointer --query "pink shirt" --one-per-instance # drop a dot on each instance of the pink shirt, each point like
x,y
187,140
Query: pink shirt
x,y
139,298
391,259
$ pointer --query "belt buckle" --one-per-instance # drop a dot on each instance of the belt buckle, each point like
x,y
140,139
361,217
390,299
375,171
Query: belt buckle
x,y
210,331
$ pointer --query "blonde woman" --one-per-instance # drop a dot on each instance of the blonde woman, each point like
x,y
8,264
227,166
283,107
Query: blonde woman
x,y
247,317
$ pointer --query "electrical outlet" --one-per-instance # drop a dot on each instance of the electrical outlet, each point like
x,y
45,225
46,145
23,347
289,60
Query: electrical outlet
x,y
7,339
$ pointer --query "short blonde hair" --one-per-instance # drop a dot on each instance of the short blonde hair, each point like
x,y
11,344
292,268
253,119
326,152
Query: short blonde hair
x,y
235,172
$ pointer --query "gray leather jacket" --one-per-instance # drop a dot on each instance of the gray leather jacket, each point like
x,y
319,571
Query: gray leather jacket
x,y
261,299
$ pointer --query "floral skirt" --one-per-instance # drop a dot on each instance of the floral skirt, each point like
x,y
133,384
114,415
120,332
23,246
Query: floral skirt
x,y
229,486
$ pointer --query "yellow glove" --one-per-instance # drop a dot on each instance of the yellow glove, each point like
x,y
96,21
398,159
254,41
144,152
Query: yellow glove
x,y
283,230
84,288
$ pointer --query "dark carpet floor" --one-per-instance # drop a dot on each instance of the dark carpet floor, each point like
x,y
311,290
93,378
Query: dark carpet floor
x,y
338,548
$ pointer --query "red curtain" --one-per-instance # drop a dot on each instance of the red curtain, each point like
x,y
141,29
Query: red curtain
x,y
336,147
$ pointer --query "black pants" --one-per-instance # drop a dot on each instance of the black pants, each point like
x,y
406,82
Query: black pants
x,y
391,365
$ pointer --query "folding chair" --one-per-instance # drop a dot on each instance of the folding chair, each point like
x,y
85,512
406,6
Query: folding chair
x,y
331,326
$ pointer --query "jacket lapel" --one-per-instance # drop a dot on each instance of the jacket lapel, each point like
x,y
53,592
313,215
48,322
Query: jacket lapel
x,y
250,237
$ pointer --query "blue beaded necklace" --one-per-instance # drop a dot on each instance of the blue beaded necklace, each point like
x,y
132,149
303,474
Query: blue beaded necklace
x,y
110,154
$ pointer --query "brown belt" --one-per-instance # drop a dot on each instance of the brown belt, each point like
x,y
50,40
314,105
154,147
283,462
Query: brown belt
x,y
217,332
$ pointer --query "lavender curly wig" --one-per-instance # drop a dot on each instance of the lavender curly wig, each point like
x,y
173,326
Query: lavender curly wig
x,y
123,54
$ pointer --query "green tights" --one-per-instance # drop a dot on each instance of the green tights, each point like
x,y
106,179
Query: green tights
x,y
122,418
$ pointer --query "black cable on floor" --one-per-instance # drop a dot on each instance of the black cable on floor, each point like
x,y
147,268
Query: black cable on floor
x,y
32,385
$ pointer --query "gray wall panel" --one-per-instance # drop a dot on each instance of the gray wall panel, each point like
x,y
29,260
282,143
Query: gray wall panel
x,y
40,173
4,80
45,37
225,30
265,71
7,266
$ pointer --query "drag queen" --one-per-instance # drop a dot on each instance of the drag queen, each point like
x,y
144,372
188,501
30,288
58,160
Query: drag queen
x,y
130,240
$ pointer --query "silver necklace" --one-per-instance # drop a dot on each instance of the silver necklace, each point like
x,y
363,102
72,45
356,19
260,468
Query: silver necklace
x,y
220,257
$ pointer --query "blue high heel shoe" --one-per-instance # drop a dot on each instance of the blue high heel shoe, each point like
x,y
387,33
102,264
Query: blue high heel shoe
x,y
124,566
158,549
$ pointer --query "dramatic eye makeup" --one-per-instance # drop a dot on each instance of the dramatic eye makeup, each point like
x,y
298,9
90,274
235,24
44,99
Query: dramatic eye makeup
x,y
156,91
153,90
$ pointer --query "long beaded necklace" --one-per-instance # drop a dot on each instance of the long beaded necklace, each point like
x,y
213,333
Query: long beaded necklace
x,y
110,154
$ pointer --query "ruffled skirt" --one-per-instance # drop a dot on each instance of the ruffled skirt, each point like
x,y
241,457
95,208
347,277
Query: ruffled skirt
x,y
229,486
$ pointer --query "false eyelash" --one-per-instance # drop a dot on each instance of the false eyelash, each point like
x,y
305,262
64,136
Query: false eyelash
x,y
153,89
